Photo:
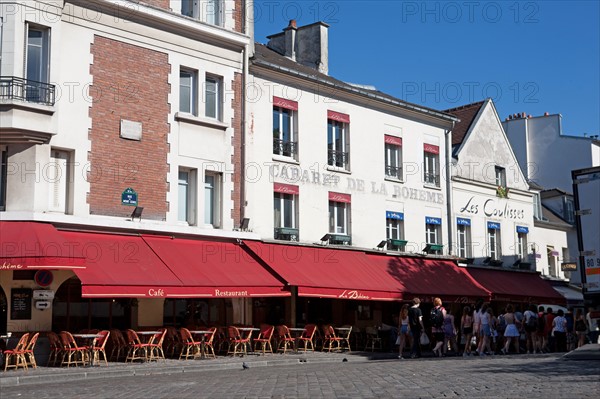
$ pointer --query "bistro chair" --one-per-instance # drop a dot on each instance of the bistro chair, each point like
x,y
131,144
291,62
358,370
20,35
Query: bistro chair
x,y
237,343
29,355
284,339
330,340
119,345
99,346
136,349
306,339
17,354
172,343
190,348
156,345
373,341
56,348
72,353
208,342
264,338
345,338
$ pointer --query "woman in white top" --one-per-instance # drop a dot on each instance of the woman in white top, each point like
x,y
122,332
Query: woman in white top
x,y
511,333
404,330
486,331
559,328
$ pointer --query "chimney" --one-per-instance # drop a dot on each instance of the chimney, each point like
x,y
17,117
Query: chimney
x,y
307,45
546,114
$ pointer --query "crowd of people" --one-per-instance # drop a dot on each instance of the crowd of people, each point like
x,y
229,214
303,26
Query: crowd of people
x,y
480,332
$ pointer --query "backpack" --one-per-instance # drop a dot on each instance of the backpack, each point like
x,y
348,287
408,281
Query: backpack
x,y
436,317
532,321
541,323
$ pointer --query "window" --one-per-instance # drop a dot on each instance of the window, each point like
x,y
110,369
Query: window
x,y
395,230
463,240
285,210
432,233
283,132
500,176
569,210
3,177
537,207
187,91
393,157
552,270
212,214
212,97
494,244
186,211
339,217
431,165
37,64
59,177
337,144
522,246
209,11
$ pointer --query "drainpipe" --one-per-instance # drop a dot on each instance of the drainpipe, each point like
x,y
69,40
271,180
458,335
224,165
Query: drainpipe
x,y
242,99
449,207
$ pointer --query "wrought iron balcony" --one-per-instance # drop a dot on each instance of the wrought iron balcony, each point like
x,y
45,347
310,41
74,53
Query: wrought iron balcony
x,y
14,88
338,158
393,171
285,148
433,179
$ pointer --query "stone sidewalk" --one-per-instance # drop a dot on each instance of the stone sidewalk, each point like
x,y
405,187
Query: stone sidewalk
x,y
43,375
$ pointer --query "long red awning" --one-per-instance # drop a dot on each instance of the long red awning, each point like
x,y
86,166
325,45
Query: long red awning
x,y
119,265
507,285
327,272
34,245
430,278
215,269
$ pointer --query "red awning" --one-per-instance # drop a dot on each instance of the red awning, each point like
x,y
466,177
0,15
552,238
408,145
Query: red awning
x,y
119,265
508,285
215,269
33,245
430,278
327,272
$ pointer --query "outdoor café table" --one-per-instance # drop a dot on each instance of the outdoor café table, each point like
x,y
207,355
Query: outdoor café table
x,y
297,333
249,330
90,340
202,334
147,336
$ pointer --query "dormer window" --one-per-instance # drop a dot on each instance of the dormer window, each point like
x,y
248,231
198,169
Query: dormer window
x,y
500,181
568,210
209,11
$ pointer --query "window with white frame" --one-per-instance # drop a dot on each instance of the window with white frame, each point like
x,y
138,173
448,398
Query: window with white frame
x,y
186,210
212,97
188,83
394,230
433,232
552,254
212,195
431,165
537,207
339,217
522,246
59,177
500,176
284,137
493,241
3,176
463,239
569,207
284,206
209,11
393,157
37,66
338,144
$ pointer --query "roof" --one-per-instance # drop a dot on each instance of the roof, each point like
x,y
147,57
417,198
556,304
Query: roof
x,y
267,57
552,217
553,192
466,114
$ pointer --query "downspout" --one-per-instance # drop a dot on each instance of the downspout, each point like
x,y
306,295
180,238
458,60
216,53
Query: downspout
x,y
449,207
243,122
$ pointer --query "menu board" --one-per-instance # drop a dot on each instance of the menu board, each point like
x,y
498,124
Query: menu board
x,y
20,303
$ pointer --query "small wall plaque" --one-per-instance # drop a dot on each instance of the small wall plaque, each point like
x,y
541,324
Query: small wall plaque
x,y
131,130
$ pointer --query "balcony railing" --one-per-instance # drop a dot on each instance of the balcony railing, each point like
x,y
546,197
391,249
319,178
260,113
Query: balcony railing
x,y
393,171
433,179
285,148
287,234
338,158
14,88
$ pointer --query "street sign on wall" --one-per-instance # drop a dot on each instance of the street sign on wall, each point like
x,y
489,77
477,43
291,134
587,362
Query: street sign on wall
x,y
129,197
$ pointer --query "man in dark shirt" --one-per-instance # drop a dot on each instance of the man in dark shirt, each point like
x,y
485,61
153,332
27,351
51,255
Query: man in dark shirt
x,y
415,320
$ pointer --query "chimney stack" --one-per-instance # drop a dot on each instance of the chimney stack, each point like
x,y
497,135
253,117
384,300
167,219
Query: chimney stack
x,y
307,45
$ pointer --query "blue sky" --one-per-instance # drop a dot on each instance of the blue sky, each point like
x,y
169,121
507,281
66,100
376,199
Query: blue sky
x,y
529,56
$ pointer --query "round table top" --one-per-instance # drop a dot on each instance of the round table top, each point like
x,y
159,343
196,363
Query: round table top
x,y
86,336
248,329
200,332
147,332
295,328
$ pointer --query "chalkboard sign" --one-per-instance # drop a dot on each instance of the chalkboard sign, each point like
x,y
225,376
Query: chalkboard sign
x,y
20,303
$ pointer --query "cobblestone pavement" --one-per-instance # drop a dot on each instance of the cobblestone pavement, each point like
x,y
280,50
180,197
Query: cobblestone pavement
x,y
491,377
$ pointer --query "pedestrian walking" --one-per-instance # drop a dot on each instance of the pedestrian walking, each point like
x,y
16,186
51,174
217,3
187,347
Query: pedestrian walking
x,y
477,323
415,317
548,325
437,316
449,334
511,333
403,329
559,331
592,323
466,329
581,328
485,331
